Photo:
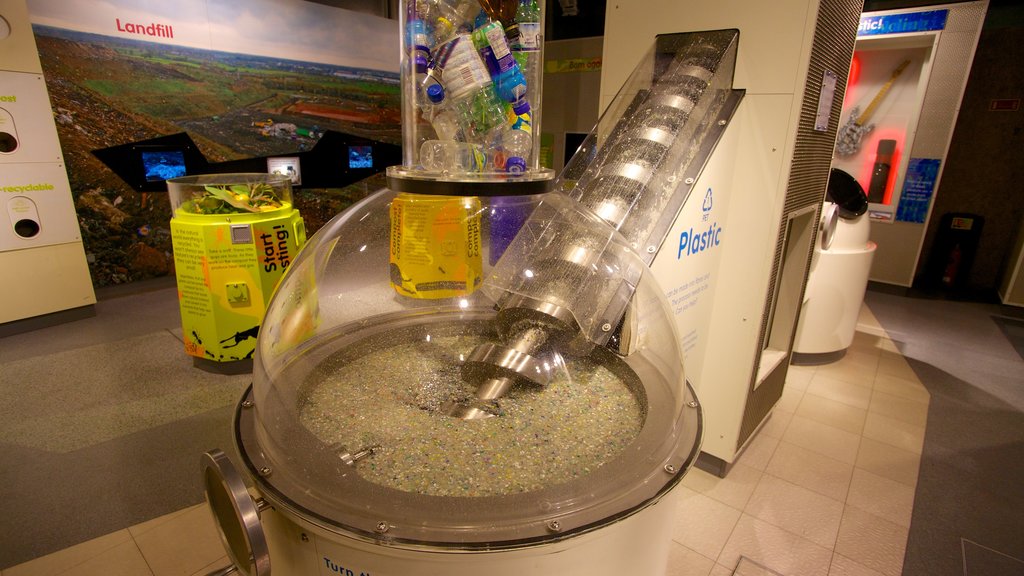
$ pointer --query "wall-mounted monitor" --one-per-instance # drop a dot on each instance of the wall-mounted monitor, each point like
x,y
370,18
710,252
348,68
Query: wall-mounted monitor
x,y
160,165
360,157
335,161
155,163
286,166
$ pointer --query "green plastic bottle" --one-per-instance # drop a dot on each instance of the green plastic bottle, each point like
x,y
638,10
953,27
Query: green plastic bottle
x,y
528,19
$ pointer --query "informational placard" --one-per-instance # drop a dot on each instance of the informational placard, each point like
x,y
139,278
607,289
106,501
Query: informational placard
x,y
226,273
572,65
918,189
825,97
687,264
902,23
686,268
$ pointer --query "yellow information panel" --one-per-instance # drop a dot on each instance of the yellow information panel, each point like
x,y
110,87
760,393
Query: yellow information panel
x,y
227,269
435,246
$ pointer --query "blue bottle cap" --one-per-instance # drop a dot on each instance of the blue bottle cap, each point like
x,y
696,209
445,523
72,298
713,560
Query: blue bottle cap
x,y
435,93
481,20
521,107
515,165
421,63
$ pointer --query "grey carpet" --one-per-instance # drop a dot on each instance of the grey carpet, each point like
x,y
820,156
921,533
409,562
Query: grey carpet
x,y
103,423
56,500
984,561
972,464
104,391
1013,329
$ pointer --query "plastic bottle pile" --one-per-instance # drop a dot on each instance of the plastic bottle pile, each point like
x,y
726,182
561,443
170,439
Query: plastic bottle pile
x,y
472,61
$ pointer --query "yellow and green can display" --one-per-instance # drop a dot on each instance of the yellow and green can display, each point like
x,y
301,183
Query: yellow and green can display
x,y
227,268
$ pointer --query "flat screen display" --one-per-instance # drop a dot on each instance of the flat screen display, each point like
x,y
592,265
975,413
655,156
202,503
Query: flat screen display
x,y
286,166
360,156
159,165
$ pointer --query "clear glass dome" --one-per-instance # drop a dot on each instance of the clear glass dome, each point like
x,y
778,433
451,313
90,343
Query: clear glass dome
x,y
242,194
472,372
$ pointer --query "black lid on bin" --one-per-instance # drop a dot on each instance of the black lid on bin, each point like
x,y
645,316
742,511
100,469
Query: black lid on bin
x,y
847,193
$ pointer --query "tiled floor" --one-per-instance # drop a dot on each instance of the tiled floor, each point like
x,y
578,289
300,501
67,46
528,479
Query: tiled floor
x,y
184,543
825,488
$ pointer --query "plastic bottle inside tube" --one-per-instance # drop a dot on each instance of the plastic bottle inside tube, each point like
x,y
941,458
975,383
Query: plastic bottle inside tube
x,y
466,88
509,82
528,19
451,18
446,125
515,145
515,142
451,156
526,49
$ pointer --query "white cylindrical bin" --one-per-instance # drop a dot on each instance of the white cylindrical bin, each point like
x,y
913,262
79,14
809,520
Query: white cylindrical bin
x,y
835,291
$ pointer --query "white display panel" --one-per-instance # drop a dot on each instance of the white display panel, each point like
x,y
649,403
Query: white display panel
x,y
26,120
44,280
888,80
17,45
41,250
39,193
687,264
947,35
